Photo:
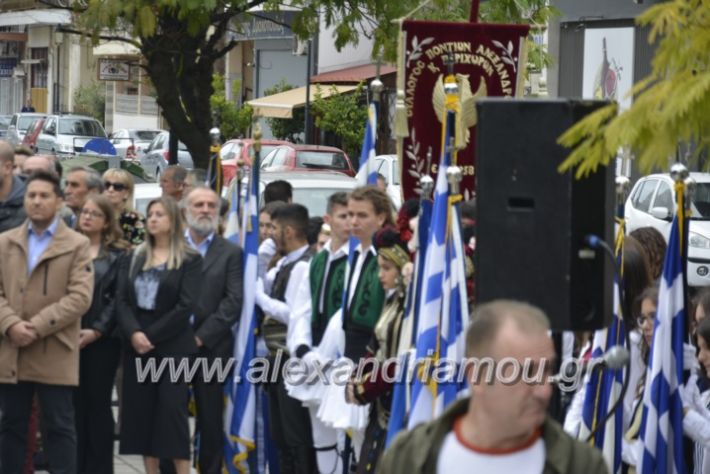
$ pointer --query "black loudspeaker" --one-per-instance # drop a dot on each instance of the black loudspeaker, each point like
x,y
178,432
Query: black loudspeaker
x,y
532,220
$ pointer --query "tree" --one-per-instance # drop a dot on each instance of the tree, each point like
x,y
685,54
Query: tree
x,y
671,105
90,99
286,129
181,40
233,121
345,116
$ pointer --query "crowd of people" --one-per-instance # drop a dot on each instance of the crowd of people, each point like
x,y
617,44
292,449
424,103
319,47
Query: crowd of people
x,y
91,290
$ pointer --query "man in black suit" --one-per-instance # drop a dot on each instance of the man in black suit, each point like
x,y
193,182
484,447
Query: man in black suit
x,y
218,309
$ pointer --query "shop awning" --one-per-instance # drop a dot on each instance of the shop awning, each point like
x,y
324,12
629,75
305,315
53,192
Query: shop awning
x,y
116,48
36,17
354,74
281,105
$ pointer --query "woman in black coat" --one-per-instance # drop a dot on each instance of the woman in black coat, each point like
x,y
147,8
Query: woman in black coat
x,y
100,349
158,289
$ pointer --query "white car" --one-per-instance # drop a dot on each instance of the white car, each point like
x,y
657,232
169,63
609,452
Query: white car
x,y
66,135
652,203
388,166
143,194
132,143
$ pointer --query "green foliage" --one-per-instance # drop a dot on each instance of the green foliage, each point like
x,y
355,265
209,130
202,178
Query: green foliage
x,y
343,115
670,106
90,99
286,129
232,121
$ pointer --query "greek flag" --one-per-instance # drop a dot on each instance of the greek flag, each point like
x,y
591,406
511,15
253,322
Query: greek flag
x,y
443,310
662,422
240,414
367,173
231,231
401,392
604,387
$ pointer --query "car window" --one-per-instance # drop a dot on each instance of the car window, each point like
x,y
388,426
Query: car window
x,y
664,196
642,198
4,122
81,127
315,199
158,143
14,120
321,159
267,159
266,149
50,127
384,169
24,122
144,135
701,202
279,158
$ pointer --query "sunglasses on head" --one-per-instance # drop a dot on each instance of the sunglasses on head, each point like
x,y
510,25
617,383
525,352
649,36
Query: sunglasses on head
x,y
116,186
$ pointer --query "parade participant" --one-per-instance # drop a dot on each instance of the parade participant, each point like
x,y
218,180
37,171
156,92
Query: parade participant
x,y
158,290
118,187
320,296
100,349
290,424
501,427
79,183
278,190
654,245
217,310
46,283
172,181
267,253
12,191
373,387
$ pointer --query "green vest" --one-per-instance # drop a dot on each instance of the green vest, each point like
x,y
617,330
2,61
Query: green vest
x,y
360,317
333,297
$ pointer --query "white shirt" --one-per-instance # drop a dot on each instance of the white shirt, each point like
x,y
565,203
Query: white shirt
x,y
299,328
357,269
457,456
280,310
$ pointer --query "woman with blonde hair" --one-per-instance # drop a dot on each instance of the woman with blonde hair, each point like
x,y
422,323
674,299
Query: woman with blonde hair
x,y
157,293
118,188
100,348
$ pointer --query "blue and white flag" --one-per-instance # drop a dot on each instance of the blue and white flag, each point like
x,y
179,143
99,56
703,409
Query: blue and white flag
x,y
232,229
662,423
240,413
442,314
367,174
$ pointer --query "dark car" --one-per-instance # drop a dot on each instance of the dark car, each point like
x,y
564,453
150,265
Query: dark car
x,y
308,158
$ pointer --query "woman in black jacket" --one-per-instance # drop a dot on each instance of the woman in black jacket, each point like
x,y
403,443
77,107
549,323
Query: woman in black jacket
x,y
158,290
100,349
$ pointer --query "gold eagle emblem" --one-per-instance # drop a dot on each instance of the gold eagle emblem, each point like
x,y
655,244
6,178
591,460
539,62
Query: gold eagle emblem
x,y
468,117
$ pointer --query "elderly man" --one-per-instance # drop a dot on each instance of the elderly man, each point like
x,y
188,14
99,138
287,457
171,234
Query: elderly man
x,y
503,426
172,181
80,182
46,284
12,190
218,309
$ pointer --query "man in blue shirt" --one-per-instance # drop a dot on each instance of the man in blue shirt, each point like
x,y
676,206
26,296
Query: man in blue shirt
x,y
46,285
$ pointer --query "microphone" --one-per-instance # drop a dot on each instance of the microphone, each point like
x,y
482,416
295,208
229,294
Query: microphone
x,y
615,358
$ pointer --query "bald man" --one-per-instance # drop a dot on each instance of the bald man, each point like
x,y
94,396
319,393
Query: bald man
x,y
37,163
12,190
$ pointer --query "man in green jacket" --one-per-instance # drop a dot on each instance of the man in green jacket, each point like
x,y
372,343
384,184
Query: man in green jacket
x,y
503,426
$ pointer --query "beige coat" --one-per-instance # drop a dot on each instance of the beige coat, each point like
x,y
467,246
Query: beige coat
x,y
53,298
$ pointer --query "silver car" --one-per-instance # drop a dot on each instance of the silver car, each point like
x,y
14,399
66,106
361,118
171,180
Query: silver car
x,y
66,135
131,143
19,123
155,158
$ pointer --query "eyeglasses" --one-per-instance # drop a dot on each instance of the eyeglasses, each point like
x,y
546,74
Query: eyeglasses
x,y
116,186
645,318
92,214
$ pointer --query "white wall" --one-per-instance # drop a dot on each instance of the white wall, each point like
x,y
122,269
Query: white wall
x,y
135,121
329,59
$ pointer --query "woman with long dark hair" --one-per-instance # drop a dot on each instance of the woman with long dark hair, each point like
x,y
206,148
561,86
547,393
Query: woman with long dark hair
x,y
100,349
158,289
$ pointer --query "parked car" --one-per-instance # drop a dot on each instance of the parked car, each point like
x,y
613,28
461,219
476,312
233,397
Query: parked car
x,y
308,158
388,166
4,124
32,133
18,126
651,203
310,188
243,149
66,135
143,193
130,143
155,158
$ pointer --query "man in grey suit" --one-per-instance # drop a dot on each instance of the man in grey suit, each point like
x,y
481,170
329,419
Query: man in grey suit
x,y
218,309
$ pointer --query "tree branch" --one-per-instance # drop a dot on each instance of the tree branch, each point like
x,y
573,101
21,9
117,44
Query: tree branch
x,y
72,31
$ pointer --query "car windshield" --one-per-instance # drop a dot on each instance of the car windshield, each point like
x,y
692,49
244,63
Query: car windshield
x,y
24,122
701,202
320,159
315,199
80,127
144,135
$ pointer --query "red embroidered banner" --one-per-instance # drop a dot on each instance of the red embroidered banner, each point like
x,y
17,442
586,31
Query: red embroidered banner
x,y
487,60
